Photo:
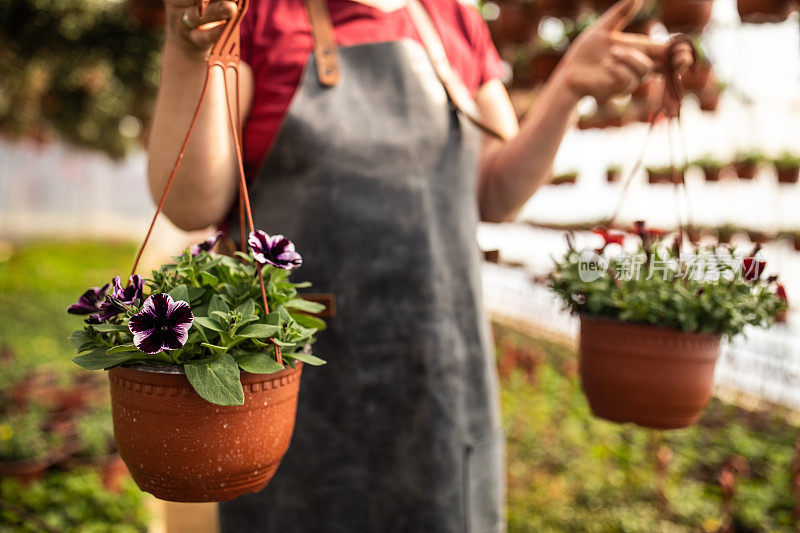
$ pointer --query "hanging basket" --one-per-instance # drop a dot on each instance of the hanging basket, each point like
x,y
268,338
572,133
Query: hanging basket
x,y
689,16
179,447
652,376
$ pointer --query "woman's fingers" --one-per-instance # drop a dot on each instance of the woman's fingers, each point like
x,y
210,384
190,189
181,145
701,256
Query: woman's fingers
x,y
625,79
206,30
638,62
682,56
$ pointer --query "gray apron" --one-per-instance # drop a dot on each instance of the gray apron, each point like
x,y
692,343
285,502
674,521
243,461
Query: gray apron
x,y
374,179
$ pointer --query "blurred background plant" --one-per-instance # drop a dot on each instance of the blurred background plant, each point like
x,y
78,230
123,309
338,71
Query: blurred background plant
x,y
79,69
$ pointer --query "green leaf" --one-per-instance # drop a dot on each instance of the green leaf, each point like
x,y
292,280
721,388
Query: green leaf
x,y
247,308
258,331
308,321
305,305
106,328
195,293
214,348
218,304
307,358
98,359
217,381
181,292
208,323
222,318
122,348
79,338
258,363
209,278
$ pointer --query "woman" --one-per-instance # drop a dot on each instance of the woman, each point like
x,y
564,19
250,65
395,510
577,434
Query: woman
x,y
380,182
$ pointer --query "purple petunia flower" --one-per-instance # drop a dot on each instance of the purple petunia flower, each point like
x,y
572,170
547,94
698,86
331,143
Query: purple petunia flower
x,y
276,250
206,245
90,301
162,324
120,296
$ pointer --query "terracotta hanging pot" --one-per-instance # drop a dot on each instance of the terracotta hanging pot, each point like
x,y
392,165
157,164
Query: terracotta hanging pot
x,y
652,376
685,16
758,11
180,447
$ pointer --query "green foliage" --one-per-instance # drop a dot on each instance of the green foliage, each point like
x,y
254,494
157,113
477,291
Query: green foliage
x,y
707,162
750,157
569,471
23,436
230,329
95,432
652,286
74,502
76,68
787,160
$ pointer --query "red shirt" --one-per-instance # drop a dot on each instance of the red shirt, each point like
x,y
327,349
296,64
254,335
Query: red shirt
x,y
276,43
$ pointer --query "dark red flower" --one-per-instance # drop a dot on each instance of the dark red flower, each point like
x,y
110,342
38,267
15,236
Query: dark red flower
x,y
780,291
90,301
753,267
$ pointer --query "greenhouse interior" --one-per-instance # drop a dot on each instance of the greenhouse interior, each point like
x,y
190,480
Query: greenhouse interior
x,y
573,225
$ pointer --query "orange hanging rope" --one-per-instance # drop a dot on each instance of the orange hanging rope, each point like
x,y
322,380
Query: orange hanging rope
x,y
669,108
225,55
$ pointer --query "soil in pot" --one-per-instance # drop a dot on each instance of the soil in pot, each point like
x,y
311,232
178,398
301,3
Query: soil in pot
x,y
180,447
758,11
652,376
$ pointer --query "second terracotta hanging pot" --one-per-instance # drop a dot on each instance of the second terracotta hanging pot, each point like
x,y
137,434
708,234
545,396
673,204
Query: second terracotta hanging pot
x,y
182,448
653,376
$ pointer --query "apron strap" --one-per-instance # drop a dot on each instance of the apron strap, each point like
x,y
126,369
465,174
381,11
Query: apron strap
x,y
450,79
328,70
324,42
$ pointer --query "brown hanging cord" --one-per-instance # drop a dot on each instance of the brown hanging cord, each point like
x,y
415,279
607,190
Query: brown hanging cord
x,y
669,108
225,55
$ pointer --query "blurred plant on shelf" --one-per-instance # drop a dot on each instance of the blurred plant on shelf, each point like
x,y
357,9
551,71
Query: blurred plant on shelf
x,y
787,167
569,471
71,502
76,69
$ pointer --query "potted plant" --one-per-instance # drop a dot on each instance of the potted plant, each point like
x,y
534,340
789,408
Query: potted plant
x,y
613,173
657,175
725,233
759,236
196,342
710,166
652,319
95,447
688,16
746,164
787,166
567,178
758,11
26,449
709,96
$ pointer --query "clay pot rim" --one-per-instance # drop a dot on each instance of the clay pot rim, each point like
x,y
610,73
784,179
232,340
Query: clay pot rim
x,y
646,326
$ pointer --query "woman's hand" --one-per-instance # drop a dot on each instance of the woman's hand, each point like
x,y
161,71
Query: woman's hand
x,y
193,33
604,62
